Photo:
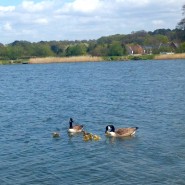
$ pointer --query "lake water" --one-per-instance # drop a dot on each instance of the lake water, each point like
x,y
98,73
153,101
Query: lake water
x,y
36,100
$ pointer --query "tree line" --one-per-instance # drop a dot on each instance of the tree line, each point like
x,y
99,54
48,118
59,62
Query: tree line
x,y
113,45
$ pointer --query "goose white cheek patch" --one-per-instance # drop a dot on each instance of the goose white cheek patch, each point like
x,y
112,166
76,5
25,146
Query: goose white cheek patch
x,y
109,128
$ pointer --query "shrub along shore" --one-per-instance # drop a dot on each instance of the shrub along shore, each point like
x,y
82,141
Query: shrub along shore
x,y
93,59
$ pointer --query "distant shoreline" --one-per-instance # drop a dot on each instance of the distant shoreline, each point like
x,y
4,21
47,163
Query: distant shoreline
x,y
100,59
93,59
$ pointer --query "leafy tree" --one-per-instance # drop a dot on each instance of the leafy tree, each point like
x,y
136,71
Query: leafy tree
x,y
100,50
91,47
181,24
180,31
181,48
110,39
70,51
155,40
59,50
42,50
165,49
115,49
82,49
3,52
160,32
104,40
26,47
14,53
76,50
58,47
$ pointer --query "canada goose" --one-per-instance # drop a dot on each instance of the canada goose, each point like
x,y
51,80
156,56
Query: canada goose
x,y
121,132
75,128
55,134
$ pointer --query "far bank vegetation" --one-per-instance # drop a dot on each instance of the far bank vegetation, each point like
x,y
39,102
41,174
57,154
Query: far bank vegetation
x,y
135,46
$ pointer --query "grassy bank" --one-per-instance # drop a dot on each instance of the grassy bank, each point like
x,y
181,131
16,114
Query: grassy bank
x,y
88,59
169,57
64,59
93,59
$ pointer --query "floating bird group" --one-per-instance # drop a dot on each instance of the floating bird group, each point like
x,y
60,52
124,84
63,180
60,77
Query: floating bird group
x,y
89,136
110,131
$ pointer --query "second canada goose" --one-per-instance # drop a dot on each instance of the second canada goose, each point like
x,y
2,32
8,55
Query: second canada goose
x,y
74,128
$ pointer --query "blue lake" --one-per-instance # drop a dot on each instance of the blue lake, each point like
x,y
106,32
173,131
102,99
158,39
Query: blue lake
x,y
36,100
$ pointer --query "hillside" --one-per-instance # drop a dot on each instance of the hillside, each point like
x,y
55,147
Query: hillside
x,y
140,42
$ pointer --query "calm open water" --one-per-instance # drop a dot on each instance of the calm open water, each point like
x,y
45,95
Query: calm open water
x,y
36,100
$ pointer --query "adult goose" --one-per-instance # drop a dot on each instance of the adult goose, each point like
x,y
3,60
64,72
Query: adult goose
x,y
74,128
120,132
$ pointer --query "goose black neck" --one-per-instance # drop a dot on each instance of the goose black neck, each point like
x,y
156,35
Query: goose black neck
x,y
70,123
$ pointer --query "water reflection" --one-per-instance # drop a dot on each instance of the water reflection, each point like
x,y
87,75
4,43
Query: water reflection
x,y
71,135
74,137
113,140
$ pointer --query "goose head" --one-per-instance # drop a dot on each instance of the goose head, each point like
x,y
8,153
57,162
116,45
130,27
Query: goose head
x,y
109,128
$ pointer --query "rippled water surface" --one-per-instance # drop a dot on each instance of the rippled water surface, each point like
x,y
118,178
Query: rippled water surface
x,y
36,100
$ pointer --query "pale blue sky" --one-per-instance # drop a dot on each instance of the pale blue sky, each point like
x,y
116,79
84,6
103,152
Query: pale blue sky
x,y
12,2
36,20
